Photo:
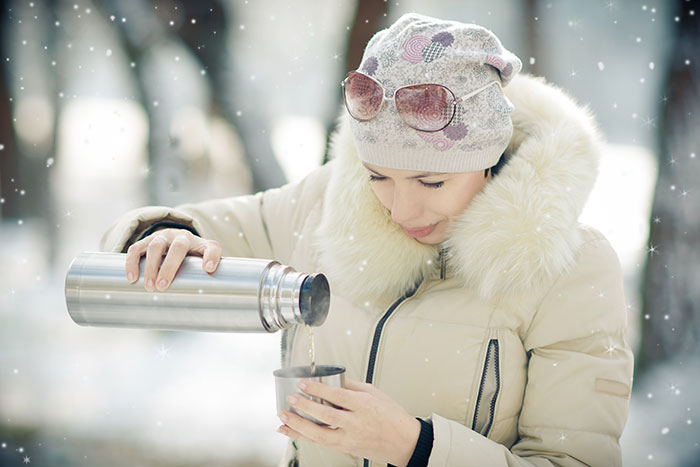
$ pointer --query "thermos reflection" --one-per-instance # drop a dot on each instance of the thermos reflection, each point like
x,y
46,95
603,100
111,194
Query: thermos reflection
x,y
242,295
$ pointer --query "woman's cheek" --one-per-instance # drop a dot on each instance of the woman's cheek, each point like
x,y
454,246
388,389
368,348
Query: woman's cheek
x,y
383,193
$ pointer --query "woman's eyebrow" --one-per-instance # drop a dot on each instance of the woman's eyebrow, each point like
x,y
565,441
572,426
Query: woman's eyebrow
x,y
372,170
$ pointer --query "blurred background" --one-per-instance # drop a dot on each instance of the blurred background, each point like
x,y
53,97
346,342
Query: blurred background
x,y
110,105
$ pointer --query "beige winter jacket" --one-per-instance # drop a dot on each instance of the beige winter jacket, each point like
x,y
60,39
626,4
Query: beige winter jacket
x,y
513,343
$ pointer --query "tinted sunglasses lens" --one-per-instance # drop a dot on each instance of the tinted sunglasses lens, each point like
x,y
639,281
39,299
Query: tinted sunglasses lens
x,y
426,107
363,96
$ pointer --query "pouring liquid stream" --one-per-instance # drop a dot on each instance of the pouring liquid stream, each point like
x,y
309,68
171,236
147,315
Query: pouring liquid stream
x,y
312,352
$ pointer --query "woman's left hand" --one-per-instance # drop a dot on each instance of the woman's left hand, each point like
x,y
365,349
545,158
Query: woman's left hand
x,y
372,425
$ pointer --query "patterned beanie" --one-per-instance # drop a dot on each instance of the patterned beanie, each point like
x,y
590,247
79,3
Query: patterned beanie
x,y
463,57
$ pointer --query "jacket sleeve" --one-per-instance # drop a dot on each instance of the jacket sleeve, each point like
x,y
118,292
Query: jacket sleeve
x,y
262,225
578,379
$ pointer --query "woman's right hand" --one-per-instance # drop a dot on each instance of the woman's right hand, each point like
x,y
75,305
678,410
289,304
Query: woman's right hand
x,y
178,243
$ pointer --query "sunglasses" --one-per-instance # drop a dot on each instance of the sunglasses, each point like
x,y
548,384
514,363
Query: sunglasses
x,y
424,107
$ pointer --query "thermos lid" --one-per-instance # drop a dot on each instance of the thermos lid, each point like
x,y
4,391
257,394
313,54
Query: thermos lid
x,y
314,299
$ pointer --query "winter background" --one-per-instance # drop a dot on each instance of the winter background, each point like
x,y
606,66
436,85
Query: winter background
x,y
110,105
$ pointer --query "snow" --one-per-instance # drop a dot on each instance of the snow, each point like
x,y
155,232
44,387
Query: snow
x,y
193,398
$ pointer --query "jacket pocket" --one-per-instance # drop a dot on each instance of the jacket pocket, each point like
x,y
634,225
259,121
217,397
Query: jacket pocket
x,y
489,388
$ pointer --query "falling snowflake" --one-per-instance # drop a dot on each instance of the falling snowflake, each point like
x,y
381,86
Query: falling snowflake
x,y
649,122
164,352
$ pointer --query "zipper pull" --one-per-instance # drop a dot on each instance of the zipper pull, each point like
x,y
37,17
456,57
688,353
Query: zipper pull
x,y
443,263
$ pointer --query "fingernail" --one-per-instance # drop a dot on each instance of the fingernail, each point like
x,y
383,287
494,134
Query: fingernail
x,y
130,277
210,266
149,284
283,417
162,284
292,399
302,385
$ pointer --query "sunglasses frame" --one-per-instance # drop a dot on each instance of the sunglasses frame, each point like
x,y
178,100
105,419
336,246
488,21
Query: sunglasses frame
x,y
455,101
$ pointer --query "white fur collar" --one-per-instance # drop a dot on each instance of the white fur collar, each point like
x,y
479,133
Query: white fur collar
x,y
514,237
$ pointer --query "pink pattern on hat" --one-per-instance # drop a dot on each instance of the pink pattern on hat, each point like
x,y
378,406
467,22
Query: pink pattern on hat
x,y
440,143
413,48
444,38
495,61
456,132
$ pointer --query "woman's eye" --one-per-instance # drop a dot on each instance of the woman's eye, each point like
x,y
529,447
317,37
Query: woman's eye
x,y
432,185
374,178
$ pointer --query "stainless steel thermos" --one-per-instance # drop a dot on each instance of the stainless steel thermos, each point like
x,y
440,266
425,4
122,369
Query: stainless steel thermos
x,y
242,295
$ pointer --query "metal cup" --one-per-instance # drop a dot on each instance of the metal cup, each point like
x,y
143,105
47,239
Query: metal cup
x,y
286,380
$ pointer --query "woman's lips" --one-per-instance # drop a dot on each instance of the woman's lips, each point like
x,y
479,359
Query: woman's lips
x,y
420,232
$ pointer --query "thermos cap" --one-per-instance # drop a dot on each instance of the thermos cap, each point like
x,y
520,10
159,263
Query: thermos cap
x,y
314,299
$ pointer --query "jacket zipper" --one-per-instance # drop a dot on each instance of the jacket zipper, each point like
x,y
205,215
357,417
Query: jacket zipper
x,y
377,337
443,263
488,391
378,333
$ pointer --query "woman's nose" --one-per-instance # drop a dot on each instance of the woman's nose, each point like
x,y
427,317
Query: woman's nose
x,y
405,207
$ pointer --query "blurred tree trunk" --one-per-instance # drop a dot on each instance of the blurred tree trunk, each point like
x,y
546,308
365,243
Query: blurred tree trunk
x,y
531,12
671,326
370,17
28,102
213,51
150,27
8,156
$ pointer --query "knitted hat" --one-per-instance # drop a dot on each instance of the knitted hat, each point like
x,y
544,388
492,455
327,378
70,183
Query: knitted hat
x,y
463,57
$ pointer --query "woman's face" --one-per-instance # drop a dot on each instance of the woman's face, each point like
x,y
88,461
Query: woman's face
x,y
424,203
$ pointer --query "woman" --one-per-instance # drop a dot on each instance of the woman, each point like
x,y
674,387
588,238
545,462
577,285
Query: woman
x,y
479,322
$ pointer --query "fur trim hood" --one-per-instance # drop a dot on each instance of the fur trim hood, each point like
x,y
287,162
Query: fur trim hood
x,y
518,234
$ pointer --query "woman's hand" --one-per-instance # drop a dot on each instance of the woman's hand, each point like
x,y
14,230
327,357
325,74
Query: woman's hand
x,y
372,425
178,243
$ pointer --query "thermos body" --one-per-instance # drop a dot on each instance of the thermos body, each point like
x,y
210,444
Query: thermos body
x,y
242,295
